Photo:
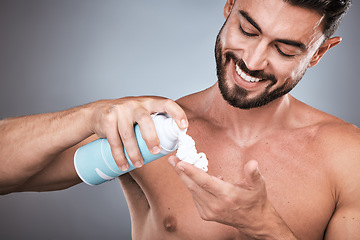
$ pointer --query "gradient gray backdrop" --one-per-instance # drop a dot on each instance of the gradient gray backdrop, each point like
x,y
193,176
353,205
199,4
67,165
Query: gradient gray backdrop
x,y
56,54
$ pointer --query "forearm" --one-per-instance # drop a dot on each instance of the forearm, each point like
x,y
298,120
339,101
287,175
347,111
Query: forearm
x,y
31,146
30,143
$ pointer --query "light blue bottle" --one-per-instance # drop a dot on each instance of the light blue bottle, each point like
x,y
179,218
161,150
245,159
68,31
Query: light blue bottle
x,y
95,164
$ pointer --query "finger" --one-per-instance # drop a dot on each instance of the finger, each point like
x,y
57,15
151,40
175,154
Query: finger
x,y
127,134
177,113
117,149
200,194
220,177
108,128
252,173
169,107
148,131
173,160
209,183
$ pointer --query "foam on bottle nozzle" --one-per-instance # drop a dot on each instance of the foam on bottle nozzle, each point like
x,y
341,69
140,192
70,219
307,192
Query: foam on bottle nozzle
x,y
170,133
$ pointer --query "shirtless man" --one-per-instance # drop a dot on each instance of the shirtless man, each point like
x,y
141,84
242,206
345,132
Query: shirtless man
x,y
278,169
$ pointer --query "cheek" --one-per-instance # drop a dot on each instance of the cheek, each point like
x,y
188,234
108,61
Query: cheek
x,y
287,71
231,38
300,68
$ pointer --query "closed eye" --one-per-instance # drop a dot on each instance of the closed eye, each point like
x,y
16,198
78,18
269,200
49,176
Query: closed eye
x,y
247,33
282,53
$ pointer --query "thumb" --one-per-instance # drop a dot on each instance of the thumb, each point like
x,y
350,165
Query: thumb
x,y
252,173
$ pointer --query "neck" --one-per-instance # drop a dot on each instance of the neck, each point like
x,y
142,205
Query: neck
x,y
248,124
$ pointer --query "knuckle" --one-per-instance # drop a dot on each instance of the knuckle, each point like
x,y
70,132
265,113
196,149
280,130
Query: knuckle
x,y
204,186
203,216
114,145
207,215
151,142
126,134
134,156
112,108
154,141
191,187
150,137
168,103
215,209
229,201
118,155
142,116
129,104
151,100
108,120
120,159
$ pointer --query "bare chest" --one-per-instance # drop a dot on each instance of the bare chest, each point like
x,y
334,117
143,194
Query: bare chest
x,y
295,172
296,183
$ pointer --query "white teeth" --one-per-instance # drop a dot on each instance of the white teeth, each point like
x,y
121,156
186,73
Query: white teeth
x,y
245,76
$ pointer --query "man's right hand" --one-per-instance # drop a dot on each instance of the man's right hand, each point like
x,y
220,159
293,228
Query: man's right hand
x,y
115,119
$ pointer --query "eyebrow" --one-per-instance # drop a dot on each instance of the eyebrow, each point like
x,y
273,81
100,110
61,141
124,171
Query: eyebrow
x,y
292,43
300,45
250,20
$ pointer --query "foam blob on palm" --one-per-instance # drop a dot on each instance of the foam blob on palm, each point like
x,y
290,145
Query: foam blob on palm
x,y
187,152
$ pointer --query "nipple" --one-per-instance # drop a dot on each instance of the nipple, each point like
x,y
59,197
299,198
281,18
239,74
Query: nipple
x,y
169,224
188,153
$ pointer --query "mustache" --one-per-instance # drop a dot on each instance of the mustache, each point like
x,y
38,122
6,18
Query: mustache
x,y
253,73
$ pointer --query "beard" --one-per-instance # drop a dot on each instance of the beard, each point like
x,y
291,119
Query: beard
x,y
237,96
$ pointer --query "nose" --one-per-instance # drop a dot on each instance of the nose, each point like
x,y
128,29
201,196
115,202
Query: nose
x,y
256,56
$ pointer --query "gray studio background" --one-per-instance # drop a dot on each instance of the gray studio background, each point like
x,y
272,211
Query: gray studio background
x,y
56,54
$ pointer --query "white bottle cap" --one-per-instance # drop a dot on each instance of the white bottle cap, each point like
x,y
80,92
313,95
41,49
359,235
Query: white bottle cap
x,y
167,131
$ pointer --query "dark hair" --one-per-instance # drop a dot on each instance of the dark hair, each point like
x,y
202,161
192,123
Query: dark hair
x,y
332,10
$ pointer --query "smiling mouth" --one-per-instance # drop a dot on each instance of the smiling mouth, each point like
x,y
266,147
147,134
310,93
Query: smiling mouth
x,y
246,77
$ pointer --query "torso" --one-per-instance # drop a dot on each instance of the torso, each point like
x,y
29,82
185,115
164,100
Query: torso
x,y
293,161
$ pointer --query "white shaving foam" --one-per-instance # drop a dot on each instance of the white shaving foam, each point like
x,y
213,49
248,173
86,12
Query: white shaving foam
x,y
188,153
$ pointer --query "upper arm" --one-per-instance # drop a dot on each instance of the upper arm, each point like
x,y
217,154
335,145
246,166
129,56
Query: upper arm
x,y
345,222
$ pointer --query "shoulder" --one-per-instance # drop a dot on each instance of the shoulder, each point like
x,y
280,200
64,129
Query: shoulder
x,y
330,131
339,146
339,136
337,141
335,145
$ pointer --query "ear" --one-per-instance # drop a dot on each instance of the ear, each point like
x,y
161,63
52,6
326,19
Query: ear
x,y
228,6
331,42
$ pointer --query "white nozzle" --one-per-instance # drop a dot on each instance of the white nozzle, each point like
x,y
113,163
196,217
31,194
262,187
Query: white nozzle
x,y
168,132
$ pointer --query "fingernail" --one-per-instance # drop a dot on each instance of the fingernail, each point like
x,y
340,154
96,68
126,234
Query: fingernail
x,y
156,150
124,167
180,168
138,164
184,123
171,161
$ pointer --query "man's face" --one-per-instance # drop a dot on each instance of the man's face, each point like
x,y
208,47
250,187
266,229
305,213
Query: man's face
x,y
264,49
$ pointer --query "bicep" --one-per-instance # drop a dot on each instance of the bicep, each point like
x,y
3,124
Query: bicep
x,y
344,224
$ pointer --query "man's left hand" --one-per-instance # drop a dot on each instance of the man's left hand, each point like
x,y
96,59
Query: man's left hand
x,y
241,205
